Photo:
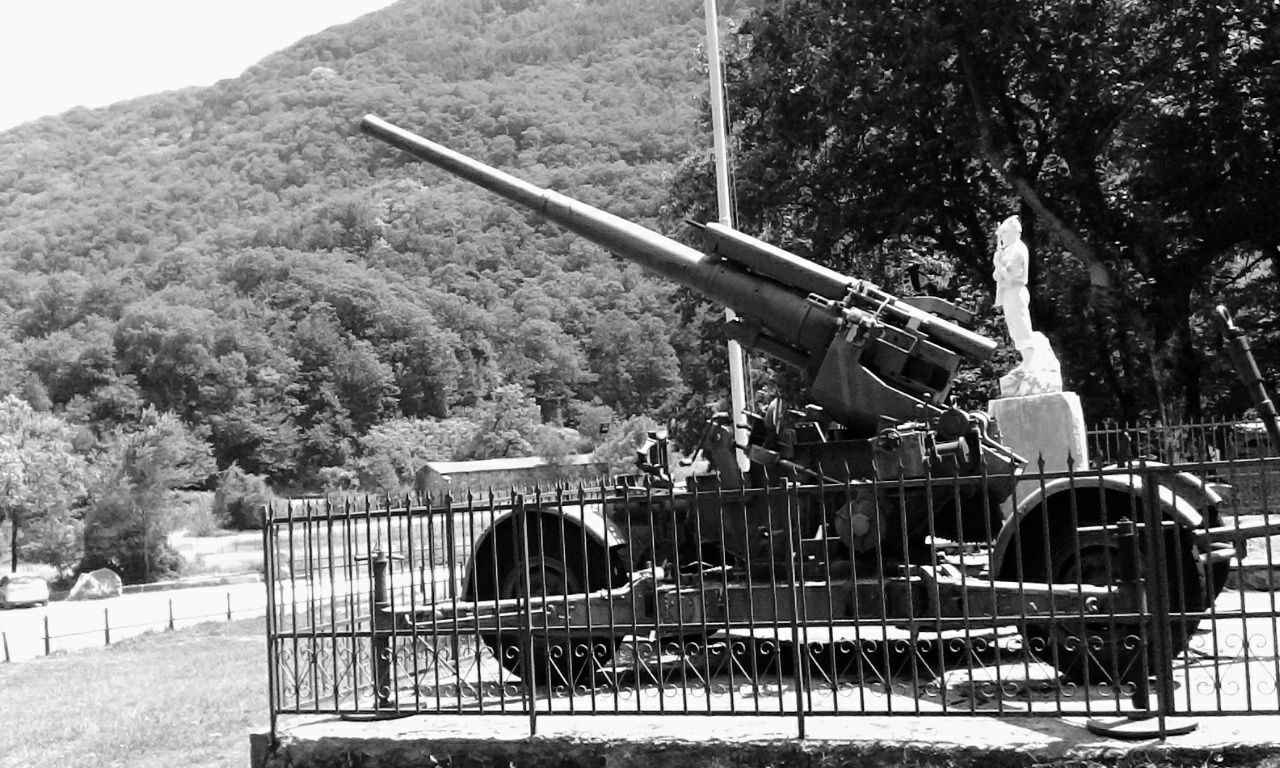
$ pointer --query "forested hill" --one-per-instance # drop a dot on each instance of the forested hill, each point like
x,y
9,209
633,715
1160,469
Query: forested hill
x,y
295,292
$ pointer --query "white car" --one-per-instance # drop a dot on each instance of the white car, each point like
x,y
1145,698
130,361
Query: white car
x,y
21,589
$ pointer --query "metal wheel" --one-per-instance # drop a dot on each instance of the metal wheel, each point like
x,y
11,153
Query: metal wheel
x,y
1102,650
552,655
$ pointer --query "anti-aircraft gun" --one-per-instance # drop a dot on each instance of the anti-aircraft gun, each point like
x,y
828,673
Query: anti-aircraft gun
x,y
880,368
850,493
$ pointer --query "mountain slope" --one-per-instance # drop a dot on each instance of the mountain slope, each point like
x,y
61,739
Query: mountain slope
x,y
241,255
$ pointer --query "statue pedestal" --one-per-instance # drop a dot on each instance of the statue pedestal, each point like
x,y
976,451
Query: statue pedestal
x,y
1049,426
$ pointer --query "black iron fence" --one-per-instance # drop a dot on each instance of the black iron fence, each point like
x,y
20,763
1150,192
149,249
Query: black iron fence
x,y
1207,441
1145,587
1219,448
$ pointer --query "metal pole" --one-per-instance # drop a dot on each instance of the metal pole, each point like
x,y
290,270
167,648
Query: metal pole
x,y
1247,369
171,614
526,636
46,634
797,605
228,606
106,624
737,359
1135,572
270,577
380,564
4,639
1157,583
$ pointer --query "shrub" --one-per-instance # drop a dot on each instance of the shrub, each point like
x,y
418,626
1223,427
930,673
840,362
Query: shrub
x,y
193,512
121,536
240,498
130,513
136,566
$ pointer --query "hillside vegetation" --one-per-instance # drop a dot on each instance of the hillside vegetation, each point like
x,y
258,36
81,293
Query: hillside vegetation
x,y
232,287
242,257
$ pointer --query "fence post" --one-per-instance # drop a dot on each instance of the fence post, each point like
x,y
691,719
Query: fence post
x,y
228,606
106,624
1157,644
4,638
46,634
1150,565
270,577
796,600
526,591
380,564
1160,583
171,614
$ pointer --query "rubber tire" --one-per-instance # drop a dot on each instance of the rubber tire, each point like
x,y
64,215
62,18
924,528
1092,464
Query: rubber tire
x,y
1106,652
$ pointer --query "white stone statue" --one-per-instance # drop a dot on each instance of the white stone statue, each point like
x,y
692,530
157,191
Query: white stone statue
x,y
1039,372
1010,272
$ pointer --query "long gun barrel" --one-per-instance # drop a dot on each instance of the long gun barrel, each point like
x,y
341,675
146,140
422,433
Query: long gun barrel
x,y
868,353
1247,369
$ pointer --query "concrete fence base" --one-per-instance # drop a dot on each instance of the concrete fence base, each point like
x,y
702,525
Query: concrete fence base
x,y
750,742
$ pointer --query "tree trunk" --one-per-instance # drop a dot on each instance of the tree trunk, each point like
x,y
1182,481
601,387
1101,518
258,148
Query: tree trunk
x,y
1156,363
1176,363
13,541
1190,364
146,544
1115,358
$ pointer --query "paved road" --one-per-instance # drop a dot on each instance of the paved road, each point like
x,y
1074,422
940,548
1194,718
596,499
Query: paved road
x,y
80,624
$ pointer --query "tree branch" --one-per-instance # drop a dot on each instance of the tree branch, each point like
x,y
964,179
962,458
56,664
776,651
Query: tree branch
x,y
1162,71
1004,167
1246,269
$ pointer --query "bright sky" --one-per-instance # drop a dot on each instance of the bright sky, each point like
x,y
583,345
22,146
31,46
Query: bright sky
x,y
59,54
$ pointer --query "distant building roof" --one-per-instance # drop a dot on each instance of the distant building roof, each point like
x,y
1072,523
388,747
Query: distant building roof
x,y
504,465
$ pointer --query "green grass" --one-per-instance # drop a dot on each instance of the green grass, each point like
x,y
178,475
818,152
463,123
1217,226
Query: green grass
x,y
188,698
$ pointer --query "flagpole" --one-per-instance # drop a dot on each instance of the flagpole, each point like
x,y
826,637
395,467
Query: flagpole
x,y
737,359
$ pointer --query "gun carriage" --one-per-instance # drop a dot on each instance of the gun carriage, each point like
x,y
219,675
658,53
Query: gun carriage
x,y
875,503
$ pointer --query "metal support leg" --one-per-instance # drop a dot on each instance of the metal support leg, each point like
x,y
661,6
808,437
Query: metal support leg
x,y
380,564
1143,723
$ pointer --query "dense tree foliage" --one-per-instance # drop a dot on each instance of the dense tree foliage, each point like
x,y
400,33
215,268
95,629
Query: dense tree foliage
x,y
302,297
42,482
1136,140
128,523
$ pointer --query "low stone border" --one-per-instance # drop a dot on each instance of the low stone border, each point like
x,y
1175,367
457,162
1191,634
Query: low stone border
x,y
195,581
